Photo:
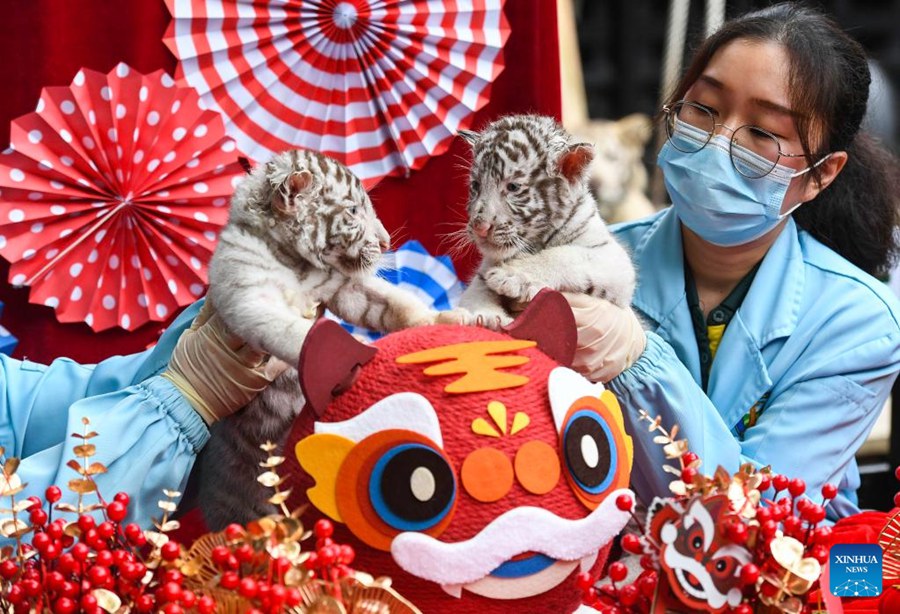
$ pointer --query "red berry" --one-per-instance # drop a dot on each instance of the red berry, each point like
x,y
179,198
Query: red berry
x,y
55,529
632,543
86,523
688,474
780,482
234,532
765,483
133,532
897,500
15,594
206,605
293,597
99,576
170,591
88,601
248,588
244,553
797,487
822,535
277,593
647,563
768,528
170,551
688,458
347,554
41,541
829,491
820,553
749,574
31,587
624,503
53,494
629,595
328,555
312,561
51,551
106,530
323,541
323,528
122,498
173,608
105,558
737,532
229,580
743,609
144,603
897,472
647,583
618,571
220,555
173,575
763,514
792,525
116,511
188,599
64,605
8,569
38,517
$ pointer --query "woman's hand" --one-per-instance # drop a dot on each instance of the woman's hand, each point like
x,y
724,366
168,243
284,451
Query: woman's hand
x,y
216,371
610,338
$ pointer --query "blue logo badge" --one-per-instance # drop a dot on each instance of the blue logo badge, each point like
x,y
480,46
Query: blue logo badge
x,y
855,570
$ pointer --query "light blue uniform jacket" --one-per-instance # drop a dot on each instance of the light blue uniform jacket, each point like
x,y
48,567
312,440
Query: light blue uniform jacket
x,y
815,333
148,434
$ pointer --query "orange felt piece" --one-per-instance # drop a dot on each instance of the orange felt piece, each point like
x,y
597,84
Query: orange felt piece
x,y
321,456
537,467
477,362
353,488
487,474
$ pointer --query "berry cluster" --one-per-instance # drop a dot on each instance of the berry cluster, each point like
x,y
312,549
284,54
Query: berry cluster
x,y
618,597
90,566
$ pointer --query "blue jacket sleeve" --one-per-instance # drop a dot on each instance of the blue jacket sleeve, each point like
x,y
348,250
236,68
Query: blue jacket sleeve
x,y
811,428
148,433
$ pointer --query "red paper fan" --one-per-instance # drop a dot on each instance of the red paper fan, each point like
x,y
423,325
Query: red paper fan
x,y
379,85
111,197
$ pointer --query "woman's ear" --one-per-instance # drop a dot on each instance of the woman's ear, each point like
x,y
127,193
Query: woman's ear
x,y
828,170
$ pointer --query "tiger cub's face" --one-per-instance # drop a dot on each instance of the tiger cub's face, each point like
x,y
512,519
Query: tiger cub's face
x,y
327,216
525,181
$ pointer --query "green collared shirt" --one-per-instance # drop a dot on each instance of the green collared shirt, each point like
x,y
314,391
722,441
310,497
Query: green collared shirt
x,y
709,330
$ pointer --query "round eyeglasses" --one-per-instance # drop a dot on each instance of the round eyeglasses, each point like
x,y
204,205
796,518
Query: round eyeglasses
x,y
754,152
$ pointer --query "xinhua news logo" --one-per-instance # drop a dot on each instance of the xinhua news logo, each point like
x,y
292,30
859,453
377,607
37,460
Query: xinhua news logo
x,y
855,570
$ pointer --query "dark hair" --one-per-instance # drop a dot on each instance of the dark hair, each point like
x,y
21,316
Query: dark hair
x,y
829,88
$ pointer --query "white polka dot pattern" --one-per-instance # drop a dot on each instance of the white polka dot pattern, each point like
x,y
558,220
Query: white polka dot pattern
x,y
118,184
381,88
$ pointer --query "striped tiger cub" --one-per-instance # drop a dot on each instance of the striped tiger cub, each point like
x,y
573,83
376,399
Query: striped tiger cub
x,y
302,235
534,220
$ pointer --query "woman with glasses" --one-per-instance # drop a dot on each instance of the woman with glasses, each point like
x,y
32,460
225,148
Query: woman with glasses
x,y
766,336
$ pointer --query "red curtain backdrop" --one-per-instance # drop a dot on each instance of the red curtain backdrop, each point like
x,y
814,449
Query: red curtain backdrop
x,y
45,42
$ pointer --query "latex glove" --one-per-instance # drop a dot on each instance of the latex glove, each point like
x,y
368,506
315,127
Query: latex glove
x,y
610,338
216,371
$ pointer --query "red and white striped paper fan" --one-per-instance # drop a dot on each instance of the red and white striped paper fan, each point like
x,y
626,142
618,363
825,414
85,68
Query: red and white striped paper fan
x,y
380,85
111,197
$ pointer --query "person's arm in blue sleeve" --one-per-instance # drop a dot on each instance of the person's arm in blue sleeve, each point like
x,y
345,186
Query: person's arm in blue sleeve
x,y
819,412
150,426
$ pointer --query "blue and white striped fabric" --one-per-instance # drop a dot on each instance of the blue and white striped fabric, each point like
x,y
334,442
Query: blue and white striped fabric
x,y
430,278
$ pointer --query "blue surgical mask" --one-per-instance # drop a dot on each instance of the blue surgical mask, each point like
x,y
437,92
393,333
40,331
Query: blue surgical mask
x,y
717,202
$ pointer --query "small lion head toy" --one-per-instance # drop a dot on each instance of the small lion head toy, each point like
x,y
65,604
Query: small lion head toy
x,y
473,467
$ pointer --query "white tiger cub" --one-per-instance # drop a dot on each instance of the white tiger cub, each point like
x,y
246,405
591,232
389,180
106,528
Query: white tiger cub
x,y
302,235
534,220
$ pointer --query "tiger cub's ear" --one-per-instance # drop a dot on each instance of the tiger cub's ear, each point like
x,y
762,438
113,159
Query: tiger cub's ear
x,y
574,161
284,198
469,136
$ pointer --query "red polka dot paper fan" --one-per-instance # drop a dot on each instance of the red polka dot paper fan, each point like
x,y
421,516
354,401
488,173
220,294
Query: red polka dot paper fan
x,y
378,85
112,194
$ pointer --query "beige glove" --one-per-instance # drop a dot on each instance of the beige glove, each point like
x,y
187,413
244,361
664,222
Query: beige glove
x,y
610,338
217,372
